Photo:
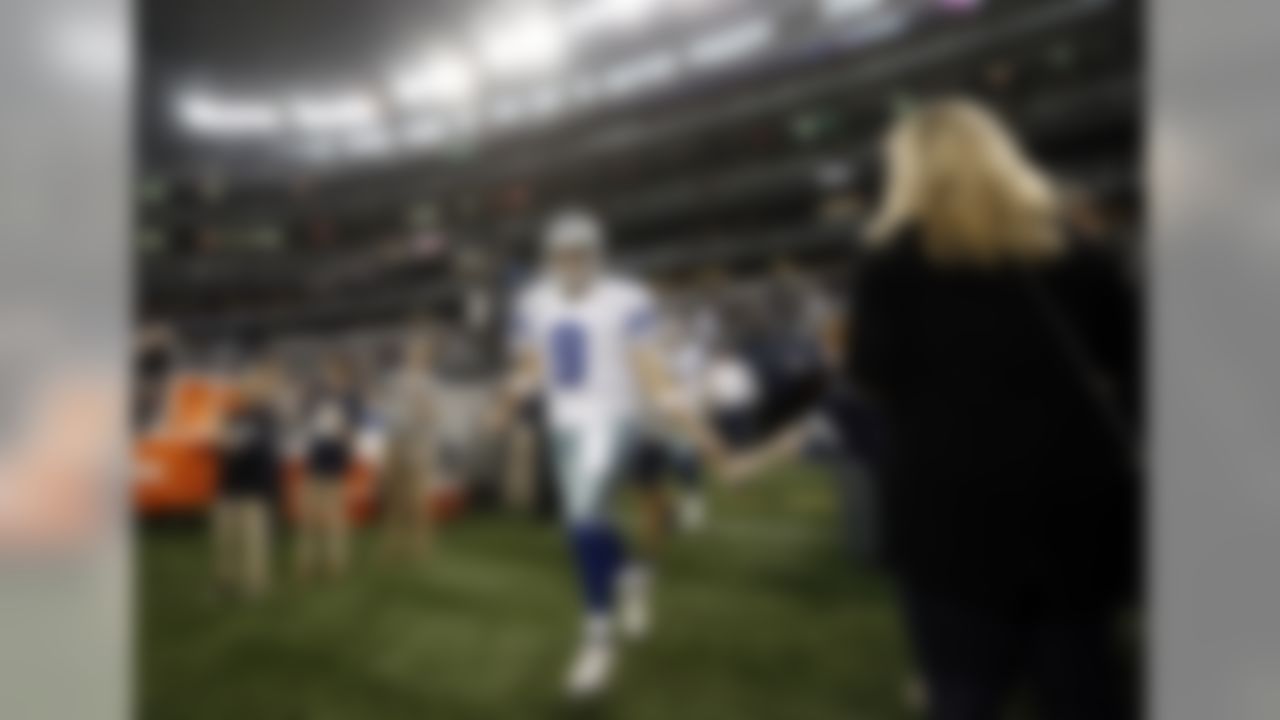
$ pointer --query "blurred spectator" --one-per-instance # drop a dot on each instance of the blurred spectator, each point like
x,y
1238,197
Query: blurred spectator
x,y
985,338
154,358
333,420
249,450
733,395
800,313
687,332
411,451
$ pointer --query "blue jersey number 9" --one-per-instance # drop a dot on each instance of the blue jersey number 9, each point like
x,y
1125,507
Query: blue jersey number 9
x,y
568,355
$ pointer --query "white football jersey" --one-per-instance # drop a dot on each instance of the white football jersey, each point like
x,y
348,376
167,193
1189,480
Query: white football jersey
x,y
585,344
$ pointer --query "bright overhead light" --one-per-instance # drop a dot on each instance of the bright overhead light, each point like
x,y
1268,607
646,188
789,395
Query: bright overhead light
x,y
583,90
694,8
531,105
594,16
423,134
223,117
317,149
734,43
547,100
443,78
639,74
369,142
508,111
524,44
335,112
842,8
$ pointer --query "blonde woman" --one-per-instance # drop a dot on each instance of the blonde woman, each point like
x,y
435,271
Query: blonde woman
x,y
1001,358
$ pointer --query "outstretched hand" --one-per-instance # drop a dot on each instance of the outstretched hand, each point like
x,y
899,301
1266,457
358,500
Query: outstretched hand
x,y
749,464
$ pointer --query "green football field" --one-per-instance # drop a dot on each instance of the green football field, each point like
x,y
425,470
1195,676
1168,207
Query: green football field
x,y
761,615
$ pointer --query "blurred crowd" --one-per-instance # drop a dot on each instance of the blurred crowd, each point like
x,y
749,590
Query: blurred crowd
x,y
970,372
409,400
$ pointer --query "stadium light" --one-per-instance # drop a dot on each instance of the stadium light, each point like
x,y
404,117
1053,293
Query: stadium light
x,y
530,105
603,16
547,100
370,141
317,149
729,45
639,74
526,44
222,117
504,112
423,134
694,8
832,9
443,78
345,111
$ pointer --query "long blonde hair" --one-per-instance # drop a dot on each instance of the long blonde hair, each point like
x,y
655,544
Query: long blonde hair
x,y
956,174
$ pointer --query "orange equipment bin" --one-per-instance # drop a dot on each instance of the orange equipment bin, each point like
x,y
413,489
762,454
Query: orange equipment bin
x,y
176,463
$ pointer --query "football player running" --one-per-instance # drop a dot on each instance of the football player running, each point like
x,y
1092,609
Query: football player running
x,y
584,340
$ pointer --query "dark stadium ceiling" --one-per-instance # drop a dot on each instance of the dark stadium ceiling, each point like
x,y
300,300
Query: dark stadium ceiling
x,y
267,43
258,57
260,46
264,44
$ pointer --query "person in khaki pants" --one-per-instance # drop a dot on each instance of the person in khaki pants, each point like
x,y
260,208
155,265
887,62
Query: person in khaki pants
x,y
520,468
323,537
411,454
249,449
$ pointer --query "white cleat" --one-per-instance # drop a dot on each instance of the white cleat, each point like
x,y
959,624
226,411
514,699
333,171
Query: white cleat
x,y
591,671
636,614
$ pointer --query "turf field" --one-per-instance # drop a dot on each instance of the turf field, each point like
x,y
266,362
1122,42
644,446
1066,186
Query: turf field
x,y
759,616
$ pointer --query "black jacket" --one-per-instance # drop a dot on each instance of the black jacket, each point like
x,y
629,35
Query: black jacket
x,y
1002,481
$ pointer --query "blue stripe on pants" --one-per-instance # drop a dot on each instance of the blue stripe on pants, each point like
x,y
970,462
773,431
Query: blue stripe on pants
x,y
599,552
